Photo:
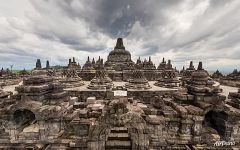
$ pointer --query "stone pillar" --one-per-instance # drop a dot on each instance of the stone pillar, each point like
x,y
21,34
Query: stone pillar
x,y
140,140
185,128
96,145
13,132
197,128
42,133
228,132
236,133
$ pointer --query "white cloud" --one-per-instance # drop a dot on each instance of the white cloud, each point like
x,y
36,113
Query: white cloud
x,y
181,30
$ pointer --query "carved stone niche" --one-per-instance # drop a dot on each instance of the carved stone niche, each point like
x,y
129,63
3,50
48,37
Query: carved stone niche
x,y
83,129
80,127
158,102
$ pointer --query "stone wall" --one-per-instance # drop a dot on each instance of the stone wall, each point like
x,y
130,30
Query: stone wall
x,y
144,96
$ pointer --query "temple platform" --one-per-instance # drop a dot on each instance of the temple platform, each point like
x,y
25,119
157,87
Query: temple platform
x,y
145,95
117,84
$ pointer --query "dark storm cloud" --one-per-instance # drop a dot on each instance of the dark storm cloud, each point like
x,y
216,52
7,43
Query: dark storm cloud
x,y
114,18
182,30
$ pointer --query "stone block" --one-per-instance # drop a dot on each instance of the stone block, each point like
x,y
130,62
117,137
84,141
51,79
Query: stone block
x,y
91,100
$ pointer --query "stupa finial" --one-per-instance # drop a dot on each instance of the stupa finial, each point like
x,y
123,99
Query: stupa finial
x,y
119,44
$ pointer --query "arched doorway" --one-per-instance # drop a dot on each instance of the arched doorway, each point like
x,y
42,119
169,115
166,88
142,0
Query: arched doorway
x,y
217,121
23,117
119,128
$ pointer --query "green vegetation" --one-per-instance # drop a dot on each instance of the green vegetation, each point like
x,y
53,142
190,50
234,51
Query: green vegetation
x,y
18,71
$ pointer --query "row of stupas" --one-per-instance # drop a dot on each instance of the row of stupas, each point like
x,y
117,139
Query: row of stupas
x,y
232,79
138,76
198,107
108,107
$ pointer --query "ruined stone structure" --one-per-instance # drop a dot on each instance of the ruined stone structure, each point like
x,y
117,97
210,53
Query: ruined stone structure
x,y
213,119
120,105
235,99
232,79
38,113
7,77
5,102
235,75
217,75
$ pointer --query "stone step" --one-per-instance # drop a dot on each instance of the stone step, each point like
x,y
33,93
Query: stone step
x,y
116,144
119,130
118,148
119,136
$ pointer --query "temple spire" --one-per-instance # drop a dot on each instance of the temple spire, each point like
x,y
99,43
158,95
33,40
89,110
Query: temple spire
x,y
73,59
38,64
191,64
47,65
169,62
119,44
200,66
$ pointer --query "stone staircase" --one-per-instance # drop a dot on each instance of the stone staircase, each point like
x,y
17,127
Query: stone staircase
x,y
118,139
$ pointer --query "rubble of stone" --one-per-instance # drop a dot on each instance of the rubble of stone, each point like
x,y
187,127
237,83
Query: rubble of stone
x,y
119,104
7,77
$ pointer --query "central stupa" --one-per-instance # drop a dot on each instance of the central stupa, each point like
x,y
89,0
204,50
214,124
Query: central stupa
x,y
119,59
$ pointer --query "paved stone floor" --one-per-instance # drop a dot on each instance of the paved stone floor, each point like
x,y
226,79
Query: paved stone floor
x,y
11,88
226,89
154,88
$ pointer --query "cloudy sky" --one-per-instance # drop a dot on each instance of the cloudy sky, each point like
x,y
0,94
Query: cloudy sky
x,y
180,30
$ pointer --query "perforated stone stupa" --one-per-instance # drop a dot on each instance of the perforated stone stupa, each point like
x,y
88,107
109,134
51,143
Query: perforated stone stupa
x,y
186,74
70,79
138,81
169,77
101,81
